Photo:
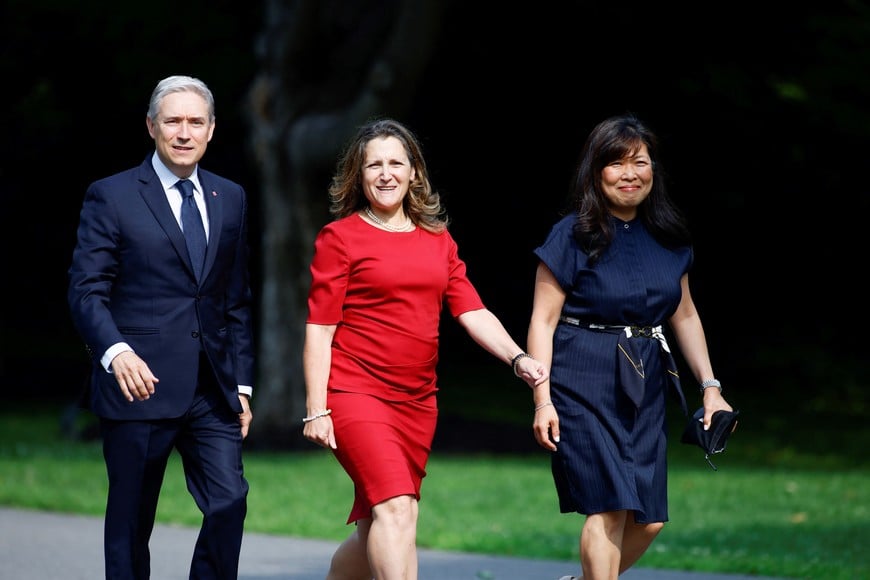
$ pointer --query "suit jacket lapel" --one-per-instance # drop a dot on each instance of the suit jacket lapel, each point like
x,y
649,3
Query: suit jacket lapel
x,y
152,192
214,205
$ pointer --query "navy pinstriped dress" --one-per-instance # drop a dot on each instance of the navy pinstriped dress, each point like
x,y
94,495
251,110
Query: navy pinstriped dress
x,y
612,452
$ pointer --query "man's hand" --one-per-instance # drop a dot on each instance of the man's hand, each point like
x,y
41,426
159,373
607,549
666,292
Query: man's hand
x,y
246,416
134,377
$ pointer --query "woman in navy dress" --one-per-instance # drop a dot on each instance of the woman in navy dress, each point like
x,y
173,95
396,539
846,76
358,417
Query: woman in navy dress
x,y
610,275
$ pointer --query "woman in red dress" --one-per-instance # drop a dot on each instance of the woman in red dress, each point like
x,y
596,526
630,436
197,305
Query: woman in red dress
x,y
380,275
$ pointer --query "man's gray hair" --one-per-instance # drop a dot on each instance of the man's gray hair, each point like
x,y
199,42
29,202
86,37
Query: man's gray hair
x,y
180,84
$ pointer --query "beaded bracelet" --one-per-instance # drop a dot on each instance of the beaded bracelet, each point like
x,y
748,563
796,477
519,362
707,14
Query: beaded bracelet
x,y
711,383
517,359
316,416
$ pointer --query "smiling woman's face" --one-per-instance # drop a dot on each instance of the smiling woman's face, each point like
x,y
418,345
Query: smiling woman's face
x,y
387,173
627,182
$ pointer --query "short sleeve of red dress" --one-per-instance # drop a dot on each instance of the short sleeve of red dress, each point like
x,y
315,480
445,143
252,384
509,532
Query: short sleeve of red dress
x,y
329,276
461,295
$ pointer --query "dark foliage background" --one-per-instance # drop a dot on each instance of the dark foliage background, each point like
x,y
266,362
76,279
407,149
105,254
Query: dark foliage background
x,y
763,118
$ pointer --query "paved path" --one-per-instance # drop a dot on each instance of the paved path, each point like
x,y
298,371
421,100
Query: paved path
x,y
49,546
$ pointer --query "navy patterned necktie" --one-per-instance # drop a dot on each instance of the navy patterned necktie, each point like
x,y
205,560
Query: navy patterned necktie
x,y
191,224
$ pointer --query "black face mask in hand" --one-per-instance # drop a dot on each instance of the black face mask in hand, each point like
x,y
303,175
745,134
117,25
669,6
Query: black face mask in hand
x,y
713,440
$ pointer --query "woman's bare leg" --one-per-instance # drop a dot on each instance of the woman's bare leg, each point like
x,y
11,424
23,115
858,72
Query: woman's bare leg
x,y
601,544
612,542
350,561
392,539
636,539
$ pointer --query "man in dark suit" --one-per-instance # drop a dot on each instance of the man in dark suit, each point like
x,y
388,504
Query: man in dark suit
x,y
167,321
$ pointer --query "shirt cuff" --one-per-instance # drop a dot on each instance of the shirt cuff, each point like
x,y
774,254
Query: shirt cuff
x,y
246,390
114,351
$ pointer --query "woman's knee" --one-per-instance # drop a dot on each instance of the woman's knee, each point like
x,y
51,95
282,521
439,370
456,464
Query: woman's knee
x,y
652,530
401,509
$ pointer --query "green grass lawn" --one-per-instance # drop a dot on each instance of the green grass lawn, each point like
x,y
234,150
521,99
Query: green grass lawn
x,y
795,508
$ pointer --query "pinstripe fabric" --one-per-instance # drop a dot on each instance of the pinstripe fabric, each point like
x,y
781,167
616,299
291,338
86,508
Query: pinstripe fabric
x,y
612,454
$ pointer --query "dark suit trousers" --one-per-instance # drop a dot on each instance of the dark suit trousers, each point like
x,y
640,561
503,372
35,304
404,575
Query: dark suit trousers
x,y
209,440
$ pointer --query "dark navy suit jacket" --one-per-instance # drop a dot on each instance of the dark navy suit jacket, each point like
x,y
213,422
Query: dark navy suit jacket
x,y
131,281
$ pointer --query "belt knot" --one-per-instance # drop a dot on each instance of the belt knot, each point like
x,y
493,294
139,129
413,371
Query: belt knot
x,y
631,372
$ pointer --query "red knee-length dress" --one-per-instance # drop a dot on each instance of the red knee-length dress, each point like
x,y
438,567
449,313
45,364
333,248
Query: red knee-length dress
x,y
385,292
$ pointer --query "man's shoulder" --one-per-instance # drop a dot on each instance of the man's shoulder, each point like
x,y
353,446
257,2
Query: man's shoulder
x,y
211,177
220,185
141,172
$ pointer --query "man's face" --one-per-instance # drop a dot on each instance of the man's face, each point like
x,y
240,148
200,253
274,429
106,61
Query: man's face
x,y
181,131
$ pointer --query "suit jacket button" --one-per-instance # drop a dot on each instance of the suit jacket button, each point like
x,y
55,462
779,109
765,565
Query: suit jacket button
x,y
194,334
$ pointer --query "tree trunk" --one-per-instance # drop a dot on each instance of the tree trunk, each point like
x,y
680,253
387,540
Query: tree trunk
x,y
326,67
